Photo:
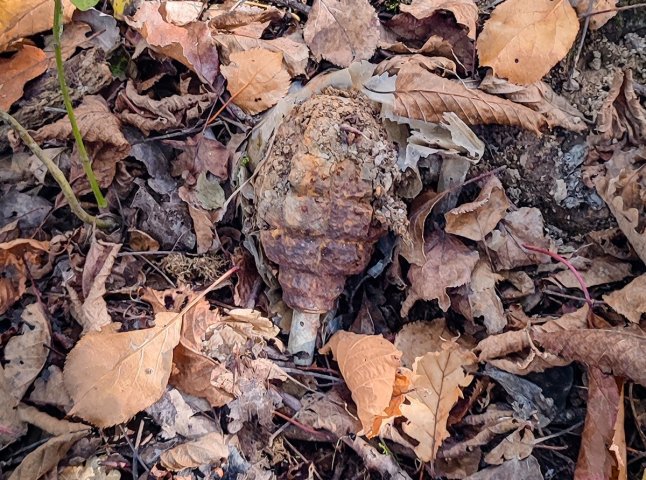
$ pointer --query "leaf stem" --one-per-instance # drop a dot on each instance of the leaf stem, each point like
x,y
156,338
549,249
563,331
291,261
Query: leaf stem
x,y
58,175
85,159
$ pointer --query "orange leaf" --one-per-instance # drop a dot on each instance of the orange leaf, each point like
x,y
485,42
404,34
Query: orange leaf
x,y
26,64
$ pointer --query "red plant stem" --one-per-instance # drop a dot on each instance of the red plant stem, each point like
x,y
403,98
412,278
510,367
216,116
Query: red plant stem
x,y
565,262
300,425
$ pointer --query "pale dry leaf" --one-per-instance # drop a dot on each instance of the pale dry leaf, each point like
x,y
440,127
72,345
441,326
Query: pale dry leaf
x,y
340,34
475,220
113,375
464,11
594,271
449,263
528,469
328,411
191,45
26,354
415,339
47,423
394,64
49,389
210,449
518,445
16,257
26,64
423,95
524,39
22,18
629,301
412,248
540,97
176,416
12,427
182,13
94,468
369,365
257,79
484,300
437,382
597,20
618,446
46,457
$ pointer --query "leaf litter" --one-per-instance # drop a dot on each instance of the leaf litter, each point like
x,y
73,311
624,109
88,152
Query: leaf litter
x,y
291,168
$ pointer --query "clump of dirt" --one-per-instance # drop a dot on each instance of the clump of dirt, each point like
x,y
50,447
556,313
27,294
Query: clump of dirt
x,y
325,195
189,269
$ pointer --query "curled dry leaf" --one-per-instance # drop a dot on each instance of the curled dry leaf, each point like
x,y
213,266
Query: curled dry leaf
x,y
257,79
191,44
423,95
475,220
449,263
629,301
369,365
22,18
16,257
509,40
113,375
437,382
340,34
464,11
597,20
26,64
208,450
484,300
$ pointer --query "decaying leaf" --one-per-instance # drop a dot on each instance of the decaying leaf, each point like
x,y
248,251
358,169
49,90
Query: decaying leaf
x,y
518,445
49,389
22,18
437,382
629,301
257,79
328,411
415,339
210,449
464,11
191,44
200,154
340,34
113,375
176,416
594,271
484,300
475,220
26,64
528,469
449,263
94,468
12,427
597,20
423,95
540,97
15,258
369,365
47,423
509,40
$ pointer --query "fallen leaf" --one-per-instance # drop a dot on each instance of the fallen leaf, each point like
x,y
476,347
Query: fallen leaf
x,y
328,411
255,403
510,36
191,45
340,34
26,64
614,352
49,424
94,468
540,97
200,155
629,301
528,469
412,247
46,457
16,257
176,416
464,11
423,95
518,445
181,13
25,355
257,79
22,18
604,397
208,450
113,375
394,64
49,389
106,34
12,427
594,271
591,7
437,380
484,300
415,339
369,365
449,263
475,220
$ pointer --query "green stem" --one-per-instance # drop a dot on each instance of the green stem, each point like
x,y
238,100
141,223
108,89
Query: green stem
x,y
58,175
85,159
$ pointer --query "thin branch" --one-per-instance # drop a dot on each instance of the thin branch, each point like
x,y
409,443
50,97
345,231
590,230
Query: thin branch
x,y
616,9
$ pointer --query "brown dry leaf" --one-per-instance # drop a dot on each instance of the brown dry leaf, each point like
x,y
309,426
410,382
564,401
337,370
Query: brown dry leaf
x,y
528,469
438,378
340,34
598,20
49,389
540,97
484,300
26,64
615,352
257,79
22,18
416,339
16,257
46,457
629,301
604,400
47,423
412,247
523,226
12,427
113,375
595,271
223,17
200,155
464,11
369,365
191,45
508,43
394,64
422,95
514,446
210,449
475,220
182,13
328,411
26,354
449,263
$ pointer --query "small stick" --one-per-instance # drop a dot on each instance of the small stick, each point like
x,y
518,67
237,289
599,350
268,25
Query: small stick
x,y
616,9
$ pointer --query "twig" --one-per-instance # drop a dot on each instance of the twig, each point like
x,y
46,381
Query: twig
x,y
102,223
616,9
579,49
571,297
300,425
85,159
